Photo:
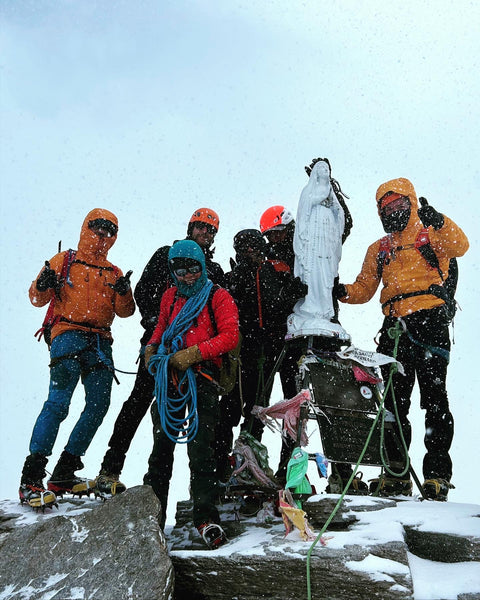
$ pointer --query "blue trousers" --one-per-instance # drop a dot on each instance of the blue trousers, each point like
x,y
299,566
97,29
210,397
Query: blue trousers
x,y
73,355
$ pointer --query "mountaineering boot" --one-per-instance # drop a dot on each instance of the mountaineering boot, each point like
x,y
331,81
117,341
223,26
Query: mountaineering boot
x,y
108,485
64,480
336,485
212,534
31,488
437,489
390,486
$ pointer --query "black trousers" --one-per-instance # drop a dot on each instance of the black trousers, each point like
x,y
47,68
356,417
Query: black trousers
x,y
128,420
423,351
255,371
201,454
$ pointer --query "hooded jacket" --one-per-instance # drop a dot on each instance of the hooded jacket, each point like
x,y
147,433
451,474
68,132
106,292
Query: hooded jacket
x,y
212,341
90,303
156,279
406,270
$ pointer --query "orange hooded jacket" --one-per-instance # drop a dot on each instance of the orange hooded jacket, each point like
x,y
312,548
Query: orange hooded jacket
x,y
90,300
407,271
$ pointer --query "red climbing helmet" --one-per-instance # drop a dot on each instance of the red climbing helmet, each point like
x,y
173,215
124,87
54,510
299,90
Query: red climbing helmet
x,y
275,217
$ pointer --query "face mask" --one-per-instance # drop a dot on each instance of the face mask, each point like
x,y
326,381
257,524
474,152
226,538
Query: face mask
x,y
395,221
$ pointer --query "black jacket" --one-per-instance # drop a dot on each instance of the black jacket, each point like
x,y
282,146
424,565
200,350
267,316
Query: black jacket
x,y
265,297
155,279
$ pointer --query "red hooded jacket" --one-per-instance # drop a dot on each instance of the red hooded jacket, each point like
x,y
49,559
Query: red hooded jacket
x,y
202,333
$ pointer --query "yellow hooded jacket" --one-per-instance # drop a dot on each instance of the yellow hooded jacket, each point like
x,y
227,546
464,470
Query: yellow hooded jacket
x,y
90,304
407,271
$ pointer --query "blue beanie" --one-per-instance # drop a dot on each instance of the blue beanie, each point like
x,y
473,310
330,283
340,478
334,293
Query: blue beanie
x,y
190,251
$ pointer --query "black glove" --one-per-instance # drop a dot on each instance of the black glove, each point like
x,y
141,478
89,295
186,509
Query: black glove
x,y
123,284
298,289
339,291
47,279
429,216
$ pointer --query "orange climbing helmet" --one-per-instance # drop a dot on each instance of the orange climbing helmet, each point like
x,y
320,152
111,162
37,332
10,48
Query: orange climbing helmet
x,y
205,215
275,217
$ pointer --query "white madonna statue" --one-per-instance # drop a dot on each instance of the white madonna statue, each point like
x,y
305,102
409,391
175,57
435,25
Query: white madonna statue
x,y
317,243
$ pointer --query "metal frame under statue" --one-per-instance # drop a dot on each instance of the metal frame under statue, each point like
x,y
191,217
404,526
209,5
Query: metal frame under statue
x,y
320,225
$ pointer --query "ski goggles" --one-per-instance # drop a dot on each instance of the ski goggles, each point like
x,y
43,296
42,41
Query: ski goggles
x,y
182,271
110,228
398,203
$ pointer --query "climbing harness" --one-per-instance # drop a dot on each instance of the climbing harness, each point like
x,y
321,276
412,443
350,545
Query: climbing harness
x,y
179,429
447,287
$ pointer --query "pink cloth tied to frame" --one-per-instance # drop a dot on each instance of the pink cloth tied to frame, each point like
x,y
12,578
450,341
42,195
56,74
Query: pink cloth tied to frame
x,y
289,411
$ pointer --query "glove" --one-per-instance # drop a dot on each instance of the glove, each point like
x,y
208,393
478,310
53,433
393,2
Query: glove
x,y
122,284
339,291
309,168
47,279
429,216
150,351
185,358
298,289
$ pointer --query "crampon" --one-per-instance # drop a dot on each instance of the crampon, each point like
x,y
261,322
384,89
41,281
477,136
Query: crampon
x,y
77,486
107,486
37,497
212,534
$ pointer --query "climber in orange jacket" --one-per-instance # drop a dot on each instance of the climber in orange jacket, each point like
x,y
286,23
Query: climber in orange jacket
x,y
85,292
412,262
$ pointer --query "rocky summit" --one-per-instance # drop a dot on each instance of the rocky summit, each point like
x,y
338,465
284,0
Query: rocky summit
x,y
89,549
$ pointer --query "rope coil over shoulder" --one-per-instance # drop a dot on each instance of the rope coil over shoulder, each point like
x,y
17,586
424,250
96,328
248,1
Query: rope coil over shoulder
x,y
179,428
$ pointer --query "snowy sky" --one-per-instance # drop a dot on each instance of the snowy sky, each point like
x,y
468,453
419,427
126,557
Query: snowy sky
x,y
153,109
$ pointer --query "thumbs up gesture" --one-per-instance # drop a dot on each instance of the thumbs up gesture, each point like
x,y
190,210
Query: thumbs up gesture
x,y
429,216
122,284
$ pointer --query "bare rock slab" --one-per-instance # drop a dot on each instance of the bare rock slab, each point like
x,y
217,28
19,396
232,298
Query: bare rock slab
x,y
110,551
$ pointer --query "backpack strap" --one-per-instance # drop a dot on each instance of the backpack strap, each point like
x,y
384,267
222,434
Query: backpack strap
x,y
50,320
423,245
383,256
211,314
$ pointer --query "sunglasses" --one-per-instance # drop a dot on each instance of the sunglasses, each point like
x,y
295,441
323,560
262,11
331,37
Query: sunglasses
x,y
210,228
193,270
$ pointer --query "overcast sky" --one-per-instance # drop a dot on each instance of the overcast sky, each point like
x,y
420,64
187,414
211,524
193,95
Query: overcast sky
x,y
153,109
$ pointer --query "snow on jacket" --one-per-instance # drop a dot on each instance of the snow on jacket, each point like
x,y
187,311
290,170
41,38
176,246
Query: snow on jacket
x,y
202,332
263,293
407,271
156,279
90,304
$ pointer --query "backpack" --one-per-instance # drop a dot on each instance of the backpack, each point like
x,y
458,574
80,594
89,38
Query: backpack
x,y
50,320
445,291
227,376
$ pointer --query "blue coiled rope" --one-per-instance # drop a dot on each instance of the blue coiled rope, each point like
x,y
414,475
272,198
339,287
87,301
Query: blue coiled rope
x,y
172,410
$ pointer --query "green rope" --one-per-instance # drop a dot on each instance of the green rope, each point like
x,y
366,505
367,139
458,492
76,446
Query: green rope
x,y
394,333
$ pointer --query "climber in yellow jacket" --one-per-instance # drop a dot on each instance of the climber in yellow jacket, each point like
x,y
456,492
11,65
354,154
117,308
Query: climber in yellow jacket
x,y
412,262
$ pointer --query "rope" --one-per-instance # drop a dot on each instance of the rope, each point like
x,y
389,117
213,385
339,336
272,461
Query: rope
x,y
179,429
394,333
107,362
